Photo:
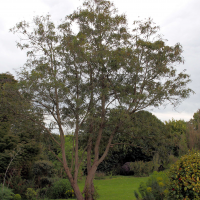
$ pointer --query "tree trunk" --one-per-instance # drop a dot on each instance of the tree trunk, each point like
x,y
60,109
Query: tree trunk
x,y
89,190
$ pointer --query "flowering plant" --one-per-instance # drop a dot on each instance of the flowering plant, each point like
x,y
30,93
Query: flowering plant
x,y
184,177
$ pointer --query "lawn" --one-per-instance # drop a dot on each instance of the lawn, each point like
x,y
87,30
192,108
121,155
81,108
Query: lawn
x,y
117,188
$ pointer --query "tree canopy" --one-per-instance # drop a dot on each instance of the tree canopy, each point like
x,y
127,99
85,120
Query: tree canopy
x,y
79,76
19,136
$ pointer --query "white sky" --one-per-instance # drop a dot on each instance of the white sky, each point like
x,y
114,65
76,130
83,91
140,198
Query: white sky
x,y
179,21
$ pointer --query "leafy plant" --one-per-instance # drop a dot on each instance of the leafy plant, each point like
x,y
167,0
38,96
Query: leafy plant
x,y
141,168
17,197
58,189
69,193
155,188
184,177
31,194
6,193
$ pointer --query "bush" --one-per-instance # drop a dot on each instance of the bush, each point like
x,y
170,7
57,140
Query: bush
x,y
140,168
155,188
137,168
58,189
17,197
31,194
6,193
184,177
69,193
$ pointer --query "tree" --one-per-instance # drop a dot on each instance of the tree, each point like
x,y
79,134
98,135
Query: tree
x,y
78,78
139,140
192,131
177,131
19,136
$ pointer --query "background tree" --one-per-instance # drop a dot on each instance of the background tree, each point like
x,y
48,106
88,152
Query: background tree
x,y
192,132
178,137
146,136
18,134
78,78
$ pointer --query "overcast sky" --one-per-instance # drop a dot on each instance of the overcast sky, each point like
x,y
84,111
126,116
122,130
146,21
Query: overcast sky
x,y
179,21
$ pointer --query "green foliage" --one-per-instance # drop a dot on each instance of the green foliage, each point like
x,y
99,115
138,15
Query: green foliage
x,y
140,168
69,145
59,189
43,170
69,193
19,135
77,77
184,177
177,135
155,188
142,137
17,197
193,132
195,120
6,193
31,194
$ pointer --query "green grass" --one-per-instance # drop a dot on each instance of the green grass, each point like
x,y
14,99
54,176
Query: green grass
x,y
117,188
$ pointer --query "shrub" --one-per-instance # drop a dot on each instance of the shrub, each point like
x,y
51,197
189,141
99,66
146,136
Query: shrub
x,y
17,197
140,168
6,193
184,177
69,193
137,168
155,188
58,189
31,194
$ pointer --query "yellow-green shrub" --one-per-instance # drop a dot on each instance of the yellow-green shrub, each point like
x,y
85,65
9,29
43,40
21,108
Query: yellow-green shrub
x,y
155,188
31,194
184,177
17,197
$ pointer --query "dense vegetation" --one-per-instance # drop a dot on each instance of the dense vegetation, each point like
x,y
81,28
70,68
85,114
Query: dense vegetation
x,y
40,174
97,83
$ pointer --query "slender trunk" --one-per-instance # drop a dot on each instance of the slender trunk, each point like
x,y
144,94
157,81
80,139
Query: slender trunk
x,y
76,155
89,189
74,183
67,170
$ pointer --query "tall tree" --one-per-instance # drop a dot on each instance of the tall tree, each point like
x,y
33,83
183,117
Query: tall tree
x,y
79,77
18,134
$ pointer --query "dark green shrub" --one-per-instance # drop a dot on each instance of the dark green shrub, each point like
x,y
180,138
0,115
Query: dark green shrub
x,y
155,188
140,168
6,193
17,197
19,185
43,170
184,177
58,189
